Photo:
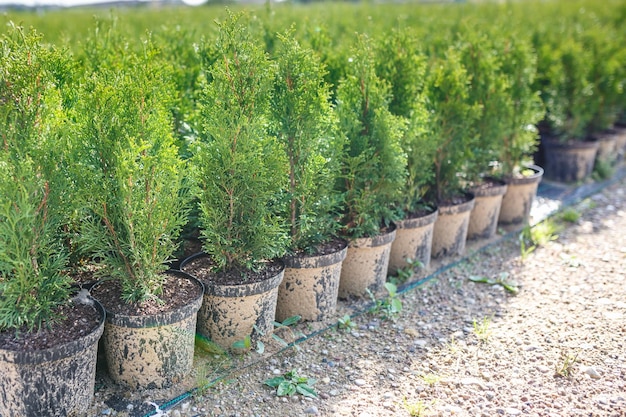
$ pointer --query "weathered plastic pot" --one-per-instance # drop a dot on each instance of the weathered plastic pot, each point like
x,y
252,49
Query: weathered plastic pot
x,y
519,197
620,141
231,313
414,238
569,161
450,231
607,146
152,351
484,216
310,286
53,382
366,263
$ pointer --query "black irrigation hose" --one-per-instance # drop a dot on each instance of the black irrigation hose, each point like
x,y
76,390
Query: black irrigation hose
x,y
578,195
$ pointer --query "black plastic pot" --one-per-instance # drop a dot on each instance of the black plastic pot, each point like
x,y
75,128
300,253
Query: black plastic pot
x,y
569,161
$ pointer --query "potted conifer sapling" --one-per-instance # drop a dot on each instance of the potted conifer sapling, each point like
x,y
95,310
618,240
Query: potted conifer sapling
x,y
131,189
48,339
304,123
239,172
373,171
519,138
452,126
489,91
401,65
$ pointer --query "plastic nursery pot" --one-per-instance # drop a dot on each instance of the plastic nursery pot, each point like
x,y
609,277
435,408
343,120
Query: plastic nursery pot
x,y
414,237
569,161
153,350
57,381
365,266
310,286
519,196
231,313
484,216
607,146
450,231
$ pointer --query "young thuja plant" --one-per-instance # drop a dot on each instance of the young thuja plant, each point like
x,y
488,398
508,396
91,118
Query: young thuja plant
x,y
403,67
520,115
373,165
304,123
32,257
564,68
239,168
129,176
451,122
607,75
488,91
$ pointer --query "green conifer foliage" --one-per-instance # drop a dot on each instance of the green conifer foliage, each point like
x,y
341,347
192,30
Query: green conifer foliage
x,y
240,170
130,178
403,67
374,164
32,257
305,124
451,123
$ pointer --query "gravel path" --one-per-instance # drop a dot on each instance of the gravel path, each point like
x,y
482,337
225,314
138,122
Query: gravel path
x,y
556,348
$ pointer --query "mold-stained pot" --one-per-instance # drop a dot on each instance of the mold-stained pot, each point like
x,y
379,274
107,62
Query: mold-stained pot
x,y
569,161
484,216
519,196
607,146
54,382
231,313
620,141
310,286
366,263
414,238
450,231
152,351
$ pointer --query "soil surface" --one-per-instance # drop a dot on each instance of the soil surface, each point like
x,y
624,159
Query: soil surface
x,y
177,291
556,347
78,319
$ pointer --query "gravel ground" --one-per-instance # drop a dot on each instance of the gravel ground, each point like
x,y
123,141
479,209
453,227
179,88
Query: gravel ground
x,y
556,348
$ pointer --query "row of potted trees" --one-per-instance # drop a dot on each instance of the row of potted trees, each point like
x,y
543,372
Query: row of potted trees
x,y
284,174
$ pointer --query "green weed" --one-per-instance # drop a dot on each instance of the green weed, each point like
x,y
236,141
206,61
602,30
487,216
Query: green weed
x,y
482,329
291,383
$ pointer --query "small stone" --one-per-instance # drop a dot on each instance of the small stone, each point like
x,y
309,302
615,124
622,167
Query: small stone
x,y
592,372
130,407
513,411
326,380
184,407
421,343
543,369
276,371
490,395
323,396
411,332
333,393
312,411
359,382
106,412
388,395
176,413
